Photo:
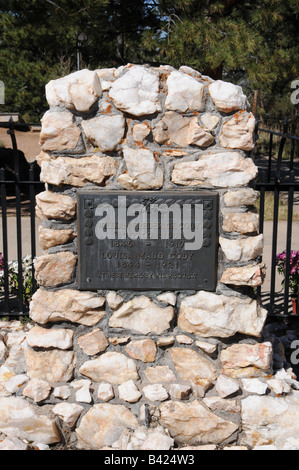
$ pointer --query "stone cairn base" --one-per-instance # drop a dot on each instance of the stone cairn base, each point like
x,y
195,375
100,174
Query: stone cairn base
x,y
148,370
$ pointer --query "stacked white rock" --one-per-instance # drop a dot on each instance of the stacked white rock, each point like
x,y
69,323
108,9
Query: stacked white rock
x,y
114,361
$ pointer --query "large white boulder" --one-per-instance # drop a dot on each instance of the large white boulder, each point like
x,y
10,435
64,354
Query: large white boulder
x,y
77,91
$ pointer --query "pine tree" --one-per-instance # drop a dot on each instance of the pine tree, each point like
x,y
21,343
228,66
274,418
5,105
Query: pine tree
x,y
39,42
247,42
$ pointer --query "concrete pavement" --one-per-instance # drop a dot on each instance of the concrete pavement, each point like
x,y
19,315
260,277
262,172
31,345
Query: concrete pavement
x,y
26,237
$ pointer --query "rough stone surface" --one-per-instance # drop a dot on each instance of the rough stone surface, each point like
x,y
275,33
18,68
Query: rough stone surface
x,y
108,76
62,392
52,366
14,384
159,374
216,403
12,444
222,170
140,132
271,420
165,341
2,349
136,92
242,249
68,412
278,386
191,423
105,392
227,97
77,172
48,238
129,392
143,315
114,300
103,424
210,121
59,131
240,197
82,387
155,392
67,305
184,94
38,390
190,365
143,170
237,132
226,386
144,350
251,275
167,298
184,339
94,342
79,90
247,360
242,222
157,439
179,391
206,347
111,367
255,386
175,129
212,315
51,205
105,132
60,338
20,420
54,270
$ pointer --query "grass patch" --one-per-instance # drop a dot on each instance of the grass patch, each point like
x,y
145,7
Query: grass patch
x,y
283,209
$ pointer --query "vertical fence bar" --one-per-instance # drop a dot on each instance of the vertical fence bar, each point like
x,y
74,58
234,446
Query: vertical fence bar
x,y
292,154
276,217
275,184
274,248
262,203
18,217
280,151
270,158
32,222
5,246
261,215
289,243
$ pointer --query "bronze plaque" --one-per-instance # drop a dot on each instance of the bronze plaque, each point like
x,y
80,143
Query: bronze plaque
x,y
147,240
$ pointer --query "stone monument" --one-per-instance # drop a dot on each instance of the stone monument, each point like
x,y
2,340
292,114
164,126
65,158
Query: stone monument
x,y
146,314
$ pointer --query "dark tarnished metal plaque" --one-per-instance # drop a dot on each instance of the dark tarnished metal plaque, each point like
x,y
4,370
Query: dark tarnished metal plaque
x,y
147,240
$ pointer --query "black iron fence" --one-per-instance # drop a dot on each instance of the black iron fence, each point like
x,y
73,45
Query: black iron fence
x,y
19,183
279,176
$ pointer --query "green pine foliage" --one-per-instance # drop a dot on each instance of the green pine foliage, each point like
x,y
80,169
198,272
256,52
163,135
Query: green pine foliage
x,y
251,43
248,42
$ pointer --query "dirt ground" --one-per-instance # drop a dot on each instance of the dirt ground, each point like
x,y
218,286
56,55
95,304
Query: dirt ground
x,y
27,142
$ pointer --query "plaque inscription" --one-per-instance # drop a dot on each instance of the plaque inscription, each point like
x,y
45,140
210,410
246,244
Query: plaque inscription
x,y
147,240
